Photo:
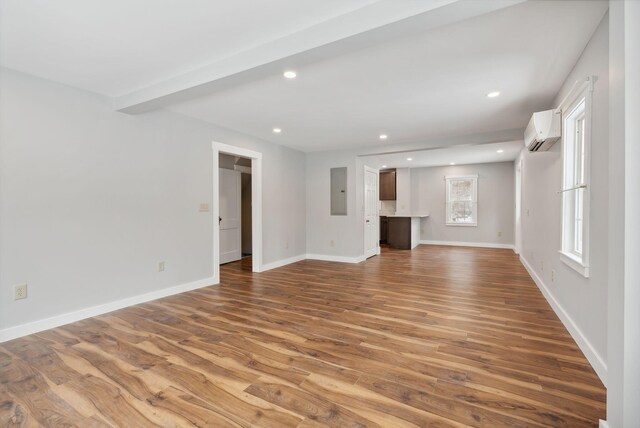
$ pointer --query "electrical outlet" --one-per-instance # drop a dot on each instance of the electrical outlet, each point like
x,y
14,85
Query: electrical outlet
x,y
527,212
331,243
542,266
20,292
160,266
553,275
286,245
499,234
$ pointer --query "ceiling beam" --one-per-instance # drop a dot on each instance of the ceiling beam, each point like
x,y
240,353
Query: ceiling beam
x,y
471,140
367,26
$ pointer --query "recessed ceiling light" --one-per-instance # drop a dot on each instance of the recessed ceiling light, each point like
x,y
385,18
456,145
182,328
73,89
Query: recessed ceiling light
x,y
384,166
500,151
277,130
452,163
493,94
383,136
290,74
409,159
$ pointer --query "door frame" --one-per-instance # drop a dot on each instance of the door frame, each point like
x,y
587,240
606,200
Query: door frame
x,y
364,211
256,204
518,220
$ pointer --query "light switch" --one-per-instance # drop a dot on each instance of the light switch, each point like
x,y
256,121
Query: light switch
x,y
204,208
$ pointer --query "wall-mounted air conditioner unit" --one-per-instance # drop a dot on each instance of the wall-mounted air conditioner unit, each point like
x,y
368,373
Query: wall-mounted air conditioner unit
x,y
543,130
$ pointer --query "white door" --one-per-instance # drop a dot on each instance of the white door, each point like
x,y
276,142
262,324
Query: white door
x,y
371,218
230,216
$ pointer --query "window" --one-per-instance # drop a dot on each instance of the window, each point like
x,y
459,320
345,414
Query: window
x,y
462,200
575,191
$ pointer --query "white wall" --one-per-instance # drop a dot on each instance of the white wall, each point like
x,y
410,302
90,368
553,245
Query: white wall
x,y
403,191
347,232
322,227
623,386
581,302
91,199
631,387
496,202
518,206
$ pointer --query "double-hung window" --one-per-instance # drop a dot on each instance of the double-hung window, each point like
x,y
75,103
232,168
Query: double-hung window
x,y
462,200
576,136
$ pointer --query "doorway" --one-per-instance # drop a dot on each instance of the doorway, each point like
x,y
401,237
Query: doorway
x,y
245,215
229,165
371,215
235,209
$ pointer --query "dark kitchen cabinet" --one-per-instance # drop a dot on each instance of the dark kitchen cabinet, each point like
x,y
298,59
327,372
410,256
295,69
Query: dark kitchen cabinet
x,y
384,229
399,233
388,185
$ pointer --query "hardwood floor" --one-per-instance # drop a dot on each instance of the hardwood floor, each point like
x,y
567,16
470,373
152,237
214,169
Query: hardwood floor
x,y
434,337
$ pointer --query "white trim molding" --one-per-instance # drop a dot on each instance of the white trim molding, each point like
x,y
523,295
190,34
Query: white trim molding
x,y
376,250
468,244
283,262
256,204
339,259
81,314
320,257
474,199
574,263
62,319
581,93
585,346
603,424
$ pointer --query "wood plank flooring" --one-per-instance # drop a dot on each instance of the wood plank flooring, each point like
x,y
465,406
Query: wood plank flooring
x,y
434,337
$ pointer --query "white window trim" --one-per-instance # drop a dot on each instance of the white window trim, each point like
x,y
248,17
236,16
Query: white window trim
x,y
574,263
581,89
447,204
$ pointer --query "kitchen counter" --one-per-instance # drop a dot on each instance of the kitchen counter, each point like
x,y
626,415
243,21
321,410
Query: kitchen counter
x,y
403,230
405,215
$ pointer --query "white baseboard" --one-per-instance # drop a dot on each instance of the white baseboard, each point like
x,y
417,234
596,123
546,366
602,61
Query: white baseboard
x,y
603,424
58,320
468,244
67,318
339,259
322,257
585,346
283,262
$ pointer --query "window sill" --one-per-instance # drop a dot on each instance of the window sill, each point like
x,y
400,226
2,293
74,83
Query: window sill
x,y
462,224
574,263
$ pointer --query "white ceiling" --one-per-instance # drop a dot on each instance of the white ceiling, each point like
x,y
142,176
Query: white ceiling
x,y
460,155
416,70
426,86
116,46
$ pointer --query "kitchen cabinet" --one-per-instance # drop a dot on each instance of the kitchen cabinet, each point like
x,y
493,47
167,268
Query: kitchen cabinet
x,y
400,233
384,229
388,185
403,231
